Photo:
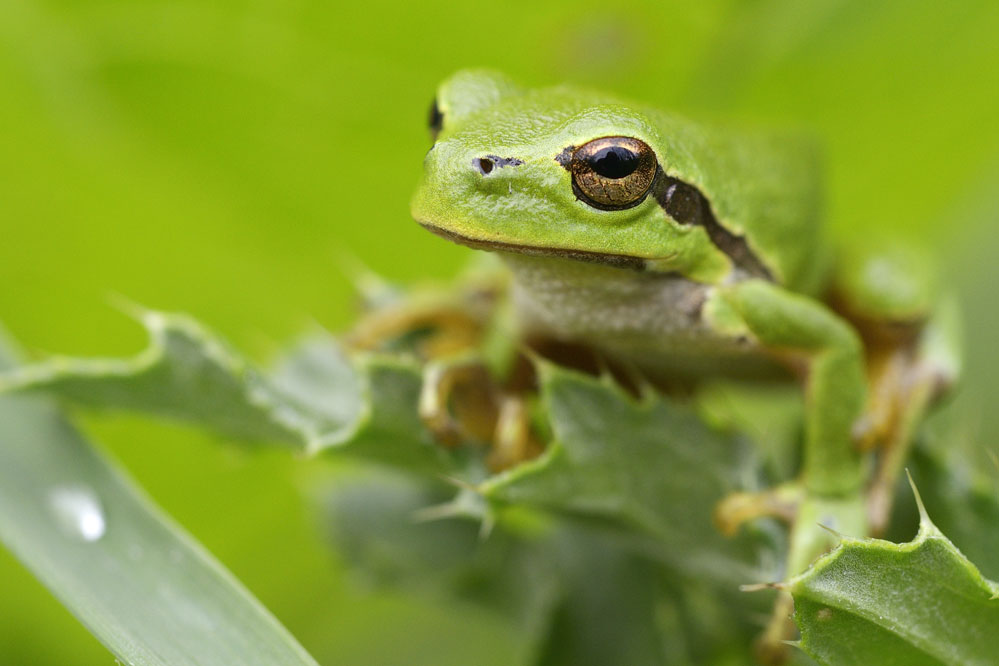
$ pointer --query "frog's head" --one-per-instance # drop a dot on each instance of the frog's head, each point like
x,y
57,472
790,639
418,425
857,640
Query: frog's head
x,y
560,171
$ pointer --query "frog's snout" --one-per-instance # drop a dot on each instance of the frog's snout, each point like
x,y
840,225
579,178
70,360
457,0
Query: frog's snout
x,y
486,164
453,170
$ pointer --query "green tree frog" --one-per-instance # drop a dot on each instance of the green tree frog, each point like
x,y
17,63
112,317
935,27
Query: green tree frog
x,y
687,251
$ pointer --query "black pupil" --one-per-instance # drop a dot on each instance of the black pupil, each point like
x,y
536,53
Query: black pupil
x,y
614,162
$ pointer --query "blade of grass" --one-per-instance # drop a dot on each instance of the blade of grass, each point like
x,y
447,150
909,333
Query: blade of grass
x,y
141,585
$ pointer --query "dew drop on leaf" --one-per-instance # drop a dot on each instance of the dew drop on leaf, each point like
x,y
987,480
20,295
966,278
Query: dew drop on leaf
x,y
78,511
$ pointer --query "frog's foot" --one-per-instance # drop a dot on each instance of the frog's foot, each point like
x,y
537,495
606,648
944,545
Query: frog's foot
x,y
429,329
514,441
428,322
730,514
815,521
459,402
771,645
784,503
739,508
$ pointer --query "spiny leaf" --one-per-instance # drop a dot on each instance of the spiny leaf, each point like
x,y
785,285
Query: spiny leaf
x,y
875,602
185,373
578,597
652,466
316,400
966,509
383,527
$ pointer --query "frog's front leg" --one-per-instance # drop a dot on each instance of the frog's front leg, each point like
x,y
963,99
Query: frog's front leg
x,y
830,355
829,351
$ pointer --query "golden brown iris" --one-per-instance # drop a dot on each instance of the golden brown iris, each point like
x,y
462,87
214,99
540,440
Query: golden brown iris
x,y
613,171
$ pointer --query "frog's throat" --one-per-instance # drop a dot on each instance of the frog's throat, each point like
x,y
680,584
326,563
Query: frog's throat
x,y
616,260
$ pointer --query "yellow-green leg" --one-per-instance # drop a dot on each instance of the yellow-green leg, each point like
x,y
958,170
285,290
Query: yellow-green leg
x,y
833,470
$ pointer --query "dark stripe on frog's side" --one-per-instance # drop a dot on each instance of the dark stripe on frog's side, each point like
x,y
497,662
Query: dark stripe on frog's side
x,y
616,260
687,205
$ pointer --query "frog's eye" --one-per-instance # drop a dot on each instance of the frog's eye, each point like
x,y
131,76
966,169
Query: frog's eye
x,y
613,172
436,120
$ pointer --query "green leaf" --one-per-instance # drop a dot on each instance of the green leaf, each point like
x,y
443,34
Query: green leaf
x,y
633,484
188,374
965,502
315,400
578,595
403,530
652,466
145,588
875,602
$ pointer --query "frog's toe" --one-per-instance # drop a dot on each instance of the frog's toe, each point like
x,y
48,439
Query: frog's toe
x,y
514,441
459,401
738,508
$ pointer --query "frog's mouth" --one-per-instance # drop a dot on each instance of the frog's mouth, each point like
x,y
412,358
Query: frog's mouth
x,y
616,260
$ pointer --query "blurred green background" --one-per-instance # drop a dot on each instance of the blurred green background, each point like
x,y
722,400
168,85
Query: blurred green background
x,y
220,158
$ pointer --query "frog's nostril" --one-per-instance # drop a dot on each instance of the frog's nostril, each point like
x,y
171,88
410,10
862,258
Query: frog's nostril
x,y
486,165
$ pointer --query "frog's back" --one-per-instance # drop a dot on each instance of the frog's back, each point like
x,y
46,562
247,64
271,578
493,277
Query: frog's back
x,y
763,186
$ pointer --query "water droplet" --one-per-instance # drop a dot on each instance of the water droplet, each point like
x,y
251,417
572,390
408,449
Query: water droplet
x,y
79,512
